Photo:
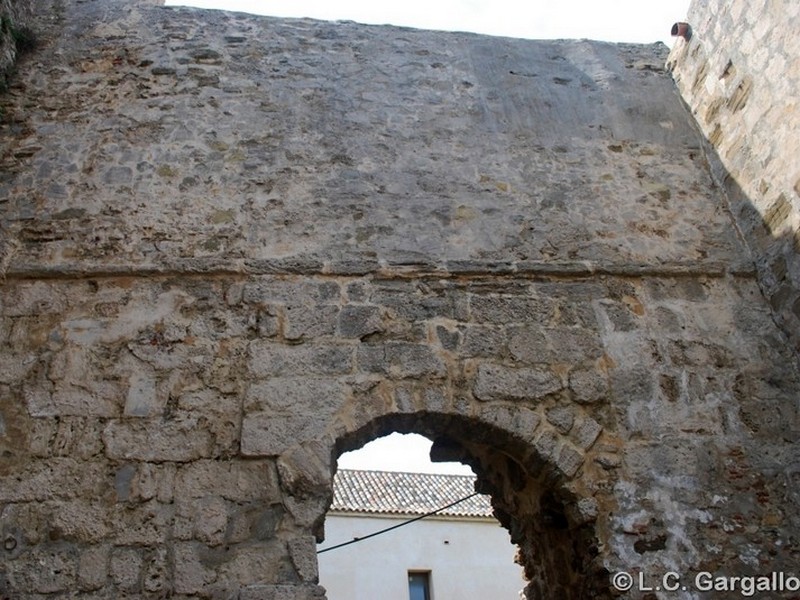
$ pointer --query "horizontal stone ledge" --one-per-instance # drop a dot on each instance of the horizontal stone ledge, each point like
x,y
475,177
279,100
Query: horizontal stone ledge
x,y
379,270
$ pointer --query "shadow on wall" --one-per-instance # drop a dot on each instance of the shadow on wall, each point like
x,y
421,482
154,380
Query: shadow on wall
x,y
773,245
735,75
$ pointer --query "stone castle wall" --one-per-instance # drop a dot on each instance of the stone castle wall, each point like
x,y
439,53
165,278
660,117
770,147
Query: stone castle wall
x,y
740,73
235,247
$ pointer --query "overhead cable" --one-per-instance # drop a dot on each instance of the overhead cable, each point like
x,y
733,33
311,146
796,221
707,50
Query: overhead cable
x,y
403,524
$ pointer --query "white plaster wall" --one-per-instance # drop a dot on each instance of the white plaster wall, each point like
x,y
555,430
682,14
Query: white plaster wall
x,y
477,561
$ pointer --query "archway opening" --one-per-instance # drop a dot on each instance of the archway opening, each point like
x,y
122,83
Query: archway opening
x,y
402,526
554,531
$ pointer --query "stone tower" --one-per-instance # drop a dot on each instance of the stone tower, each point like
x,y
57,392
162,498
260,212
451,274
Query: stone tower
x,y
234,247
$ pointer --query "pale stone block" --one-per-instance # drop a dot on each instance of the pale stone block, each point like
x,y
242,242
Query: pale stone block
x,y
126,568
519,421
303,552
269,359
498,382
143,399
268,434
307,395
238,481
400,359
191,576
93,567
156,440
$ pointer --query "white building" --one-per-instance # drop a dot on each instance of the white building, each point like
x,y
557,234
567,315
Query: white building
x,y
461,552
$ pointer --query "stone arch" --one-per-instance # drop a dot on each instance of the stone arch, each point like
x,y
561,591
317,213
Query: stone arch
x,y
551,517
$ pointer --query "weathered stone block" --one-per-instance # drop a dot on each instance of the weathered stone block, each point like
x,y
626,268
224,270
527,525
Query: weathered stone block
x,y
586,432
408,303
483,341
519,421
561,417
238,481
574,344
147,524
82,521
156,440
55,478
305,322
67,401
269,434
157,576
588,385
251,563
36,299
14,367
308,395
303,552
546,444
528,344
498,382
268,359
502,310
618,315
143,399
357,321
47,569
204,519
569,460
191,572
292,290
400,359
448,338
126,568
93,566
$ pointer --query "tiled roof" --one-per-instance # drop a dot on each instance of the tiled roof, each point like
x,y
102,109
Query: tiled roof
x,y
406,493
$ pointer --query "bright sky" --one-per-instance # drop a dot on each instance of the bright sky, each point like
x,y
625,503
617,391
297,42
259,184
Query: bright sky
x,y
398,452
641,21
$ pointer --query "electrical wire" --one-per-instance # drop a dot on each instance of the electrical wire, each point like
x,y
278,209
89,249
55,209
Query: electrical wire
x,y
403,524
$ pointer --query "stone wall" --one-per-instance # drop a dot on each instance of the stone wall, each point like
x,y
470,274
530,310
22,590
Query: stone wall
x,y
740,73
235,247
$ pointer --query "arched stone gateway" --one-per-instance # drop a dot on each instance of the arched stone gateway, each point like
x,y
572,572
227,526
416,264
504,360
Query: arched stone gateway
x,y
545,510
234,247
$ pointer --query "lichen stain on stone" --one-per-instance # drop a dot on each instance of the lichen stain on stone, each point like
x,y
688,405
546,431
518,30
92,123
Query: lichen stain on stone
x,y
222,216
465,213
634,304
166,171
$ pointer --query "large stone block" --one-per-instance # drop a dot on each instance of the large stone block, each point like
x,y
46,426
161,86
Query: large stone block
x,y
506,310
269,359
358,321
238,481
400,359
270,434
157,440
306,322
498,382
316,396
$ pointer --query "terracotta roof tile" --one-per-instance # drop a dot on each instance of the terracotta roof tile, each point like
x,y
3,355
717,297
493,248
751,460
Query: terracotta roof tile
x,y
406,493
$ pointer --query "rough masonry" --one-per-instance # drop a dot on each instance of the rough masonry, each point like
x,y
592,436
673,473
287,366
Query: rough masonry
x,y
234,247
740,73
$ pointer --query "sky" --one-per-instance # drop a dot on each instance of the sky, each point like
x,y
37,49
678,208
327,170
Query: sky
x,y
639,21
398,452
642,21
